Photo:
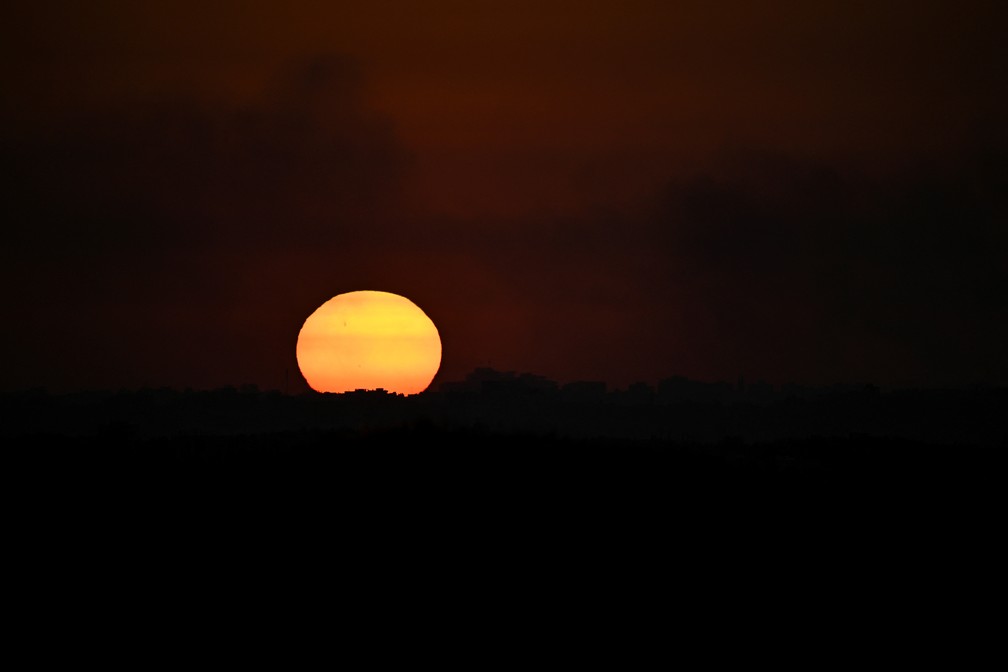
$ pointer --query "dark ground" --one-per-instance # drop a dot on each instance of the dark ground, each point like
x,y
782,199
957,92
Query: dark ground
x,y
436,509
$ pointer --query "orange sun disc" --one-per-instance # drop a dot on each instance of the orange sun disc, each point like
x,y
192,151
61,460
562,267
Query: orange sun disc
x,y
369,340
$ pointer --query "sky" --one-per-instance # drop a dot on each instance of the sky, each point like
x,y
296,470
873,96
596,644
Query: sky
x,y
809,192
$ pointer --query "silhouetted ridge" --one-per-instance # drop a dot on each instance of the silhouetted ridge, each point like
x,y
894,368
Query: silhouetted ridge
x,y
677,409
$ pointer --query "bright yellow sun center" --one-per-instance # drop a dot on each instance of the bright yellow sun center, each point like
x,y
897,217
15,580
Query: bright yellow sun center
x,y
369,340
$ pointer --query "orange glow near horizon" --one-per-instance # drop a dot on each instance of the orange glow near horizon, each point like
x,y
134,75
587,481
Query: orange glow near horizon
x,y
369,340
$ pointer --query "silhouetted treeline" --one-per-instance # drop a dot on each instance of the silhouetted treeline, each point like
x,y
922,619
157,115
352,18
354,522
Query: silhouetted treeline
x,y
506,433
676,410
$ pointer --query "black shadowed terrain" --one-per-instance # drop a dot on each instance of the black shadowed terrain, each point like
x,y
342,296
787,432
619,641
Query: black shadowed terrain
x,y
503,496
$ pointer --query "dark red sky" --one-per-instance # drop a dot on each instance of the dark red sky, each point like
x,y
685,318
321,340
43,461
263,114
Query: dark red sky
x,y
794,191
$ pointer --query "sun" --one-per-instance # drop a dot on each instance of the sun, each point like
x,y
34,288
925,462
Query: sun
x,y
369,340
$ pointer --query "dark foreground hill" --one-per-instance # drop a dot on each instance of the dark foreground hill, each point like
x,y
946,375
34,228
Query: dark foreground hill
x,y
374,507
523,455
421,481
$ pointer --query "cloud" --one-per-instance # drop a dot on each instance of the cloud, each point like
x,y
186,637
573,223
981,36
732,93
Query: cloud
x,y
766,265
174,226
182,171
183,242
898,275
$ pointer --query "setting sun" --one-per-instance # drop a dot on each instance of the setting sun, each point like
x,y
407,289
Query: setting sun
x,y
369,340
